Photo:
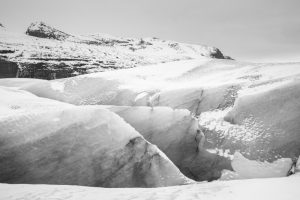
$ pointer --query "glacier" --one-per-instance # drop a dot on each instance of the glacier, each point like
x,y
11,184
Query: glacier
x,y
49,142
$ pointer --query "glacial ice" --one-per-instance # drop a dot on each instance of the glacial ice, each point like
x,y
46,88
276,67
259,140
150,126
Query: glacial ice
x,y
232,98
248,169
49,142
174,132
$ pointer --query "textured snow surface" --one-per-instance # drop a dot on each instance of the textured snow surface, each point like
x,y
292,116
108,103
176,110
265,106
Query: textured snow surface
x,y
48,142
258,189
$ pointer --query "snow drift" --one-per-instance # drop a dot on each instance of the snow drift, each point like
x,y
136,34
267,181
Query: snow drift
x,y
260,189
49,142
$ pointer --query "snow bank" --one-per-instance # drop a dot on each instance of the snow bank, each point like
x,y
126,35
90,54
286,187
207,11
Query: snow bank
x,y
259,189
48,142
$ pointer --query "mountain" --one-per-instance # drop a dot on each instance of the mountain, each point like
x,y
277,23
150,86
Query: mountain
x,y
48,53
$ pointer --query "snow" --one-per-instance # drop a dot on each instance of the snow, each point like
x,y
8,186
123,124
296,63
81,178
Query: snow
x,y
259,189
49,142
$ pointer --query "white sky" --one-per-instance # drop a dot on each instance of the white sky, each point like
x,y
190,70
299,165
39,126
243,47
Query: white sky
x,y
252,30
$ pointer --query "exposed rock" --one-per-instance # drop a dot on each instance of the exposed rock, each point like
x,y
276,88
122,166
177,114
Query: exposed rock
x,y
8,69
216,53
40,29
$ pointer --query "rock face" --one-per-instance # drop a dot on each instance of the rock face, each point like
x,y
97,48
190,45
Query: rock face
x,y
8,69
48,53
41,30
48,142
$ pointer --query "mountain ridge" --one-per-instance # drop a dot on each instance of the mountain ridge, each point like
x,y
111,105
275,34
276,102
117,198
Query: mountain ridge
x,y
48,53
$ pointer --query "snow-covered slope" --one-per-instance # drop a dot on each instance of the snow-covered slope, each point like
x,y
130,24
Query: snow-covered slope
x,y
48,53
49,142
258,189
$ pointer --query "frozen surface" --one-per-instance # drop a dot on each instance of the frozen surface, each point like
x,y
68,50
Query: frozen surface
x,y
174,132
246,169
48,142
255,169
250,107
259,189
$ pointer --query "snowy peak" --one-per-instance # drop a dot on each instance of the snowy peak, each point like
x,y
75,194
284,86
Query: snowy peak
x,y
41,30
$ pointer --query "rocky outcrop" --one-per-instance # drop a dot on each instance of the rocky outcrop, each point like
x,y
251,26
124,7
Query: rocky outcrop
x,y
216,53
8,69
41,30
49,71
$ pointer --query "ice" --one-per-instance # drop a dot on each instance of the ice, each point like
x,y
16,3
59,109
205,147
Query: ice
x,y
249,107
248,169
49,142
174,132
272,118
